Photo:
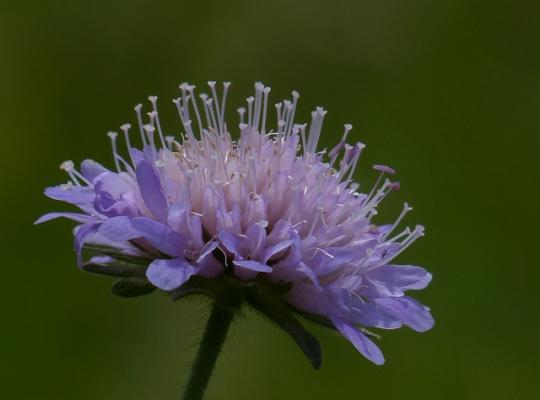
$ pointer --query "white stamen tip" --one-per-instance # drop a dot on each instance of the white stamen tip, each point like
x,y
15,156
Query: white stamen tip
x,y
67,165
112,135
125,127
149,128
263,223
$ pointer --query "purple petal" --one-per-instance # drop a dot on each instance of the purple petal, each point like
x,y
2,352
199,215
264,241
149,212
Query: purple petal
x,y
152,190
408,311
71,194
370,315
359,341
121,248
176,216
160,236
253,265
282,230
231,241
309,273
256,235
136,155
91,169
82,218
81,233
378,289
276,248
208,249
119,229
115,184
307,297
402,276
113,194
325,263
170,274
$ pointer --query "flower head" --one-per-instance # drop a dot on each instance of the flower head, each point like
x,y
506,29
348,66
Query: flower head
x,y
265,205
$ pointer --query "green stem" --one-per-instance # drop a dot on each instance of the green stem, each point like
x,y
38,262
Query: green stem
x,y
212,341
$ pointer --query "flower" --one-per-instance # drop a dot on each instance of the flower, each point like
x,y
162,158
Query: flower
x,y
267,205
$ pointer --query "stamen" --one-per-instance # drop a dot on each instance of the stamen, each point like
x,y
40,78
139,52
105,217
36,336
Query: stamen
x,y
405,211
317,118
414,235
318,249
204,98
191,90
287,108
278,113
125,128
169,140
242,113
149,129
290,125
334,153
226,86
74,175
405,232
372,202
259,88
384,168
153,100
250,101
302,129
210,109
112,136
358,147
138,108
67,165
265,106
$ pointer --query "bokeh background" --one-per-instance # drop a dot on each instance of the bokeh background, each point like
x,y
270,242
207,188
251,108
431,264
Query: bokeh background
x,y
447,92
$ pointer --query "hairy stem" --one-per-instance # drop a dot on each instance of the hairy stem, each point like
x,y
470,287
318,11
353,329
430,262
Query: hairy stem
x,y
214,336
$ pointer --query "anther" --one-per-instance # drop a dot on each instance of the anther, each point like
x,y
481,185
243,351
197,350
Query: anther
x,y
66,165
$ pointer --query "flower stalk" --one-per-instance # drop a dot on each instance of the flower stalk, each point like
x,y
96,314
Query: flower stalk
x,y
214,336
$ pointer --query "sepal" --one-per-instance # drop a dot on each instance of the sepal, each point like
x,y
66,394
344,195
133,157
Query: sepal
x,y
132,287
116,269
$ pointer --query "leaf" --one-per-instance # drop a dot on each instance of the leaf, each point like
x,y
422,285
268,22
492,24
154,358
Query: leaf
x,y
132,287
277,311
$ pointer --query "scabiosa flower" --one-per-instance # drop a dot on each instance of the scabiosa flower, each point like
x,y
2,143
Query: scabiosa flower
x,y
259,206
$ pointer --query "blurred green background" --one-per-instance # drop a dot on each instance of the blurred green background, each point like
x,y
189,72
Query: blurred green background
x,y
448,92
